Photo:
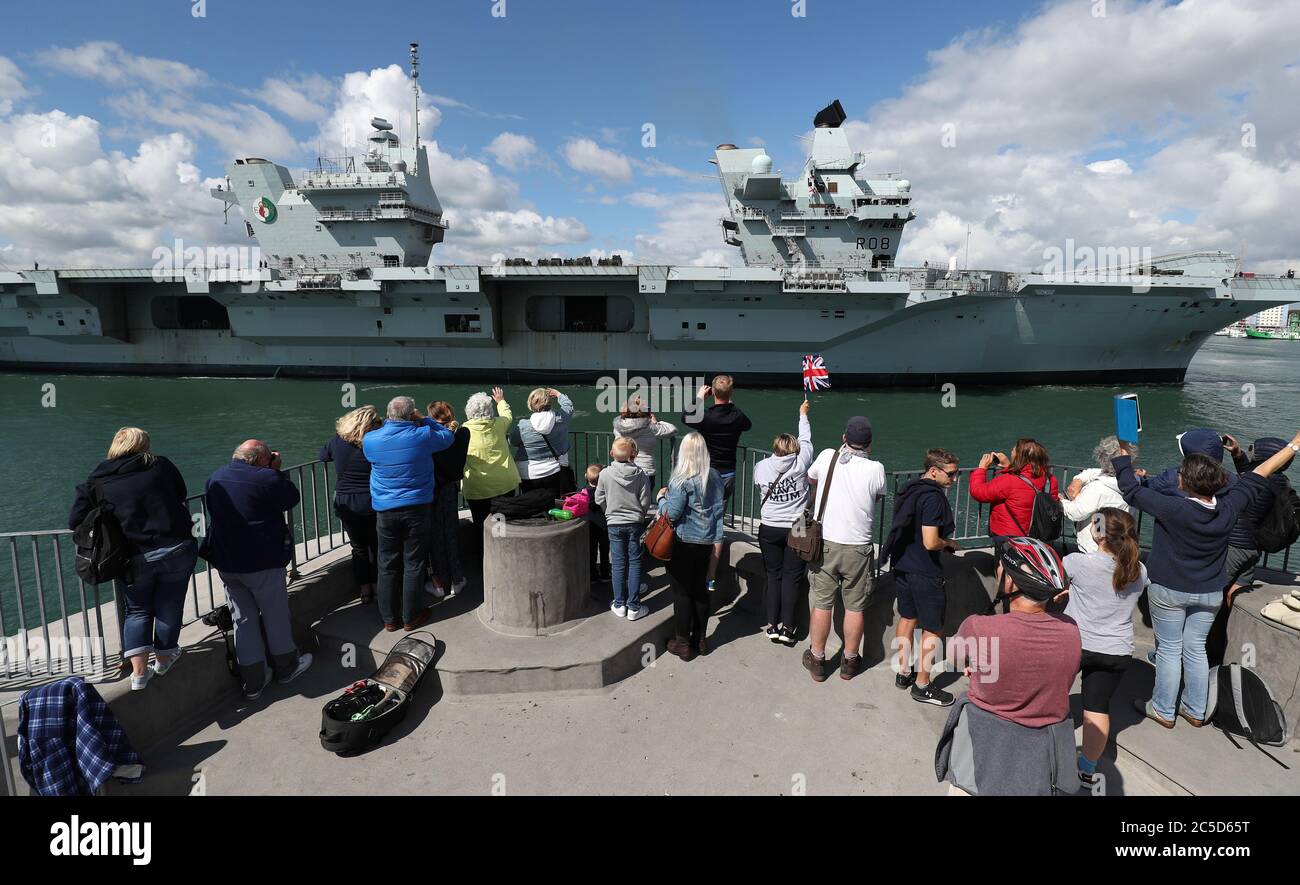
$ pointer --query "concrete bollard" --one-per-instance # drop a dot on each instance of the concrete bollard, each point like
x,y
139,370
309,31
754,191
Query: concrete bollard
x,y
536,575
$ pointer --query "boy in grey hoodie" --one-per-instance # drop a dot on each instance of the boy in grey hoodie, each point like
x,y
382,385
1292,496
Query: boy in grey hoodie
x,y
623,493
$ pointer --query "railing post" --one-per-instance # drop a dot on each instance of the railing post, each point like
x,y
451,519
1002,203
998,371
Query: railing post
x,y
11,788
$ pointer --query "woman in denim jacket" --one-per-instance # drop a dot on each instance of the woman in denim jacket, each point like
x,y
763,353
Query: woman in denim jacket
x,y
693,503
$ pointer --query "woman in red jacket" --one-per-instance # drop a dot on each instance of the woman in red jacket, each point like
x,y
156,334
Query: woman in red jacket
x,y
1012,491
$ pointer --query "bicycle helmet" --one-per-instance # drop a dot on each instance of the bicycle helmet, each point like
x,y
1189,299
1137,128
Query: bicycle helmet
x,y
1035,568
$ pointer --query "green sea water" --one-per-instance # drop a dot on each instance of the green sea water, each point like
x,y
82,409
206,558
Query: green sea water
x,y
53,436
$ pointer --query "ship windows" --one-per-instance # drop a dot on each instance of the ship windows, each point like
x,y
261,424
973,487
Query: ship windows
x,y
392,261
460,323
579,313
188,312
701,326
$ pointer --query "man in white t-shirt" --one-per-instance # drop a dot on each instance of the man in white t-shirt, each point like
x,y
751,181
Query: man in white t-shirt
x,y
848,561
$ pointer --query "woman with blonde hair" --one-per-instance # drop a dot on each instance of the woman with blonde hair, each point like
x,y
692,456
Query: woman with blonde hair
x,y
448,469
147,496
352,493
541,443
693,503
489,467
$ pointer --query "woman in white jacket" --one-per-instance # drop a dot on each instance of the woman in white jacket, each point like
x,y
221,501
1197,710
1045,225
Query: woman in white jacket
x,y
1092,490
782,480
644,429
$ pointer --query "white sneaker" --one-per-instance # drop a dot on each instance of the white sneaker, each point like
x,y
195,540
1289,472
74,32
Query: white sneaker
x,y
304,661
458,587
159,668
637,611
139,682
434,590
618,610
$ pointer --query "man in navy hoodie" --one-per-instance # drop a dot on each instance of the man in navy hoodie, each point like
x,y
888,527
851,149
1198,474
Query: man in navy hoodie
x,y
248,543
401,492
1187,565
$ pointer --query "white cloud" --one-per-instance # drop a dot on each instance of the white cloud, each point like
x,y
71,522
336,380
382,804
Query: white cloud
x,y
381,92
112,65
585,156
1111,167
239,129
1162,90
66,201
512,151
11,85
300,98
686,230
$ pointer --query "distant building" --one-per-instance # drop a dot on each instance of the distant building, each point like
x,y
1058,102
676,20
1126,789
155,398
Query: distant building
x,y
1273,318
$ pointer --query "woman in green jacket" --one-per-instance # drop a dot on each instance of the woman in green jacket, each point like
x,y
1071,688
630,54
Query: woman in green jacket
x,y
490,470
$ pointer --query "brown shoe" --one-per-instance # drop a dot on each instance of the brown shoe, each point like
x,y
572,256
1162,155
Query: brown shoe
x,y
390,627
1145,708
1194,723
420,620
702,646
815,667
682,648
849,666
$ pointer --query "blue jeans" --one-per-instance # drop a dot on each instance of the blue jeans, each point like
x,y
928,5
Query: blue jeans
x,y
625,563
1182,621
155,598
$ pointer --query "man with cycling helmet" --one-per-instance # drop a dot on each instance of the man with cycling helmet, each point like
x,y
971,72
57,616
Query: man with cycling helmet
x,y
1021,665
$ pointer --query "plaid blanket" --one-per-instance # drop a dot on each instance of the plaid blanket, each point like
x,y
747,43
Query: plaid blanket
x,y
69,741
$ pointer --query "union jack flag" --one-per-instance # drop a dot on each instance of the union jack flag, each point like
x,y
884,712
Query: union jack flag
x,y
815,374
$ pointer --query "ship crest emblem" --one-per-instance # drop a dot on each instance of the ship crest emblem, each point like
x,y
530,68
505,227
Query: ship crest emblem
x,y
265,210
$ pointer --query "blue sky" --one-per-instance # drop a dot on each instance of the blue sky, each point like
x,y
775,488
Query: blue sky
x,y
1070,124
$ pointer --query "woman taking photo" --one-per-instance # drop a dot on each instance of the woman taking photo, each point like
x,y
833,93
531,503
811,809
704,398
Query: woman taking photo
x,y
782,479
1105,585
644,429
542,443
692,502
1188,566
147,495
1026,473
352,493
448,468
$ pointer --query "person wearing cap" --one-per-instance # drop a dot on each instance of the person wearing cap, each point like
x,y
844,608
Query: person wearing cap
x,y
1243,549
1021,666
1188,568
249,543
1199,441
847,485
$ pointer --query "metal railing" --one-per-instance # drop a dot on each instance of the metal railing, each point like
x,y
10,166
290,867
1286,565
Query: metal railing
x,y
47,633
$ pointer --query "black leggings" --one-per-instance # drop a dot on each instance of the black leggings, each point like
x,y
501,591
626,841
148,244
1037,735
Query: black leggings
x,y
689,569
784,572
358,518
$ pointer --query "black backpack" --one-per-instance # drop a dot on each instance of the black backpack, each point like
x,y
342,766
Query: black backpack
x,y
1047,517
1279,528
359,719
1240,703
101,546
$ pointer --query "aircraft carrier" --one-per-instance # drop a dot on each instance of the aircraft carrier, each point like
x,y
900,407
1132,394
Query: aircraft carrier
x,y
343,287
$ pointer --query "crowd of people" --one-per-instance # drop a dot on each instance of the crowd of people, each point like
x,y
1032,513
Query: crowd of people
x,y
1068,604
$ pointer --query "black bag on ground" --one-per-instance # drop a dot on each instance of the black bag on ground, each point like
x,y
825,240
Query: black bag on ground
x,y
1240,703
535,502
358,719
1047,517
101,546
1279,528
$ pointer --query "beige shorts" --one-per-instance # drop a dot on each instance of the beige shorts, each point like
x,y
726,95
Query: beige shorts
x,y
846,569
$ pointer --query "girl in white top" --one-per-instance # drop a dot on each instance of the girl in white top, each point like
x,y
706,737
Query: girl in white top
x,y
1092,490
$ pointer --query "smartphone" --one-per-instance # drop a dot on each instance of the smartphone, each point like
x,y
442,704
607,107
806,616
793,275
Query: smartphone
x,y
1128,417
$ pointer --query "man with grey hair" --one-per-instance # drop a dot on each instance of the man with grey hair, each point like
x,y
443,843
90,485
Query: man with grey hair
x,y
1091,490
401,492
249,544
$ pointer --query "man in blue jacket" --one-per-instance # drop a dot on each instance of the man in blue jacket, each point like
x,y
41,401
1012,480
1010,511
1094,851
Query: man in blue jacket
x,y
248,543
401,492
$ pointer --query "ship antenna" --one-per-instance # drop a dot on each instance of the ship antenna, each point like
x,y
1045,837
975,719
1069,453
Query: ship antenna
x,y
415,90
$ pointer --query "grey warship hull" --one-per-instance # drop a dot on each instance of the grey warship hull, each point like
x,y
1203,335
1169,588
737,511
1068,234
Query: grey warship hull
x,y
504,324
